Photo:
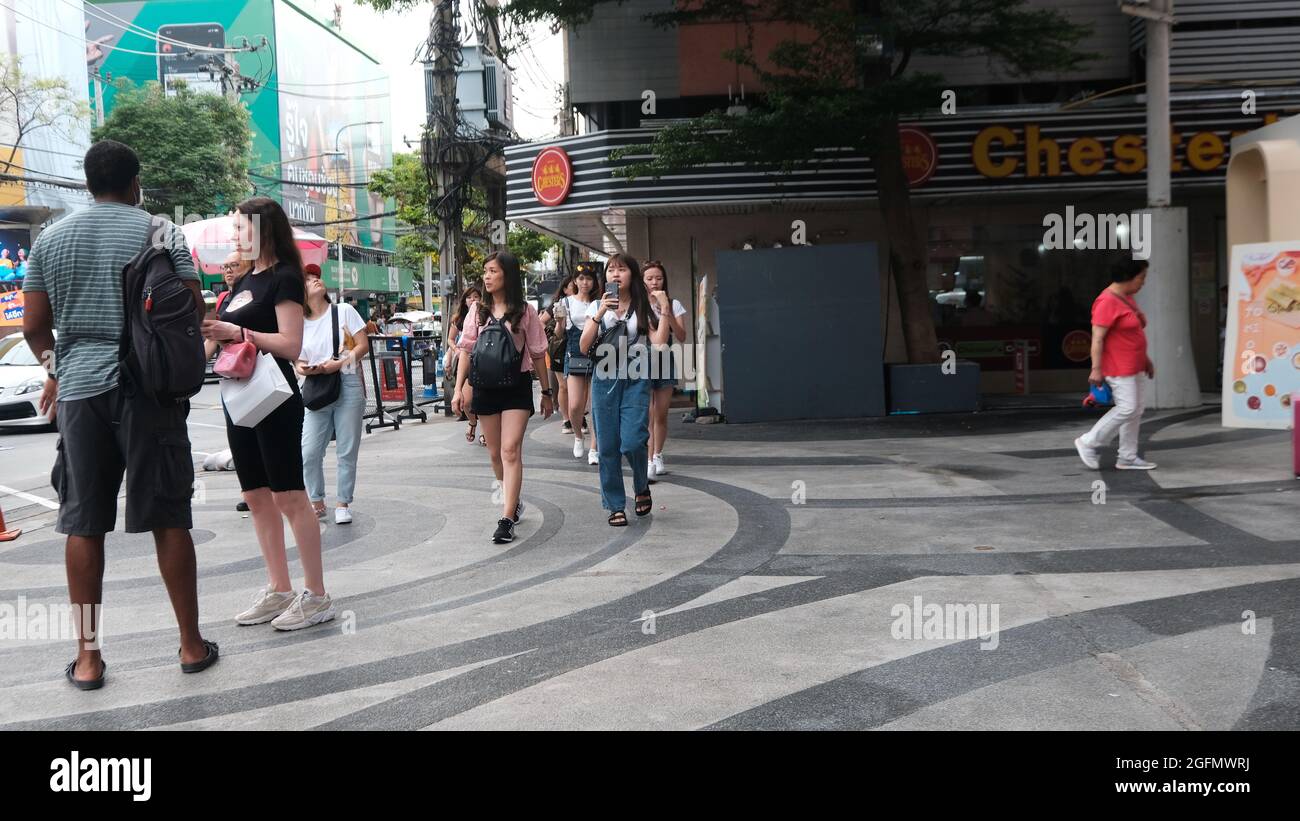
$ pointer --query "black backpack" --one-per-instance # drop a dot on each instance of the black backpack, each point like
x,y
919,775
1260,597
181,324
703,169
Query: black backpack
x,y
162,348
494,362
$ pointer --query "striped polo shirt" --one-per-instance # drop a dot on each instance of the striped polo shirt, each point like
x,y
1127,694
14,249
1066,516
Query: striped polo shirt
x,y
78,263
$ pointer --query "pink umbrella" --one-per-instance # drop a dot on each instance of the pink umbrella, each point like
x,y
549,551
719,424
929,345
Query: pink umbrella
x,y
211,241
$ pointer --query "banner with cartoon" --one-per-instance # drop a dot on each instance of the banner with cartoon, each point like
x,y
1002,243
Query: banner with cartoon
x,y
1261,365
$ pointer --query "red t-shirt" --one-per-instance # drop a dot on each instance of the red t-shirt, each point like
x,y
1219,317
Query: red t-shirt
x,y
1125,350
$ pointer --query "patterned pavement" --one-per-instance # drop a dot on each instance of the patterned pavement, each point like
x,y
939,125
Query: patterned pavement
x,y
776,585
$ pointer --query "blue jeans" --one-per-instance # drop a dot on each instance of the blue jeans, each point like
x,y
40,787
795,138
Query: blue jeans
x,y
343,421
622,413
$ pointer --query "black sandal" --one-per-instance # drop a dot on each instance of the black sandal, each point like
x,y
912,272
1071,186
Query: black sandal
x,y
618,519
469,434
644,504
207,661
80,684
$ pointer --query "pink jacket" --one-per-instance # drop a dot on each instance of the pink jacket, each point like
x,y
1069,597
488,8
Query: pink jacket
x,y
530,327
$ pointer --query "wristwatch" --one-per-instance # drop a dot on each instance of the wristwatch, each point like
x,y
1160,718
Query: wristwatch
x,y
546,392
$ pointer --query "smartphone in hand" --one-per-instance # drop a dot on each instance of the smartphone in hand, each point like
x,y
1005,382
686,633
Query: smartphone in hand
x,y
611,289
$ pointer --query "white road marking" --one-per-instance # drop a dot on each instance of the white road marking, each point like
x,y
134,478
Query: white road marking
x,y
206,425
30,497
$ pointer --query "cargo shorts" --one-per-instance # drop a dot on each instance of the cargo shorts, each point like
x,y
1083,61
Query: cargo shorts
x,y
102,437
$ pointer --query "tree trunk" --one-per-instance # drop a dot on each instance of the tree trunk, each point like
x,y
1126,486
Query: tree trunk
x,y
907,250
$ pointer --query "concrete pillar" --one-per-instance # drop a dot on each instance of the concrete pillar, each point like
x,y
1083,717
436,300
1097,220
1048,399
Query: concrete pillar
x,y
1166,301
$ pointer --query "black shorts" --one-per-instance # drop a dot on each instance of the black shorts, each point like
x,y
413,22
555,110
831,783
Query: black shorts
x,y
104,436
491,401
270,454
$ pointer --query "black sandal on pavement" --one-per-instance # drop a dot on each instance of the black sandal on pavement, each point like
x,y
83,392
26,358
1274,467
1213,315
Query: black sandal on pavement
x,y
81,684
644,503
618,519
482,440
469,434
208,660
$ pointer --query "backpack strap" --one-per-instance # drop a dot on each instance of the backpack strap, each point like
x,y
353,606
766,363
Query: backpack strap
x,y
334,320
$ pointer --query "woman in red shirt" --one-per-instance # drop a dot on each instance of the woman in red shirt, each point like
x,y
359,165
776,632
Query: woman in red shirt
x,y
1119,358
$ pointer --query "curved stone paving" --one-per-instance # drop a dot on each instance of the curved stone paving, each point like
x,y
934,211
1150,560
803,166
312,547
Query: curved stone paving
x,y
760,594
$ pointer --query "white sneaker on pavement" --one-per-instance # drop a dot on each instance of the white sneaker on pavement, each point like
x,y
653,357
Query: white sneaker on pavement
x,y
593,457
307,610
578,447
1137,463
1087,454
267,605
658,460
342,516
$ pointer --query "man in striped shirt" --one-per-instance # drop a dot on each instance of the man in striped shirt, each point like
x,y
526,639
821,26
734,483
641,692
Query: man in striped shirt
x,y
74,285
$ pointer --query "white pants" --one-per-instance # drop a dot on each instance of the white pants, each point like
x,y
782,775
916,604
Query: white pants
x,y
1125,416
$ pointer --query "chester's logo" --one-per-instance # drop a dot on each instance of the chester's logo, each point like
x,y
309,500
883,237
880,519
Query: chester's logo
x,y
552,176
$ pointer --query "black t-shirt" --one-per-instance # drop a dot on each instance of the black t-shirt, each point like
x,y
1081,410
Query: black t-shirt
x,y
252,302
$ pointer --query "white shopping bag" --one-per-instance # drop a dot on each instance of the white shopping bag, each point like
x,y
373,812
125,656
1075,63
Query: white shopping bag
x,y
249,401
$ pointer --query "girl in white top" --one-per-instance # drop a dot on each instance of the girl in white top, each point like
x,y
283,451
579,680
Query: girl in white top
x,y
662,385
572,311
341,419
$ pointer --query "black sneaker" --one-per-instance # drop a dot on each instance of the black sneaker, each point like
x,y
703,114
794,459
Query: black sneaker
x,y
519,510
242,507
567,427
505,531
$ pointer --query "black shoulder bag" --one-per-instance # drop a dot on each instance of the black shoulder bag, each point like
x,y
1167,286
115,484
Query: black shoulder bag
x,y
320,390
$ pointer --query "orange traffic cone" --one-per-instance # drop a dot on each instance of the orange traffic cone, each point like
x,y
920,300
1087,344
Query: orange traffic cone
x,y
8,535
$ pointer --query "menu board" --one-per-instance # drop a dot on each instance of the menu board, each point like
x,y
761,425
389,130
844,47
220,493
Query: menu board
x,y
1261,365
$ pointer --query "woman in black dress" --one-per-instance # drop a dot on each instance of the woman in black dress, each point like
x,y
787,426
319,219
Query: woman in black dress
x,y
265,307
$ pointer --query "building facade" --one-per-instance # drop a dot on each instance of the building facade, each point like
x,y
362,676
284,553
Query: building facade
x,y
983,179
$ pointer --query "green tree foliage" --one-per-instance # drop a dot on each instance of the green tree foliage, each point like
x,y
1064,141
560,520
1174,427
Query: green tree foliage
x,y
407,184
194,148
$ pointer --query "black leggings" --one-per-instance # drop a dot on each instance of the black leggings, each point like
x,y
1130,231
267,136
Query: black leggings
x,y
270,455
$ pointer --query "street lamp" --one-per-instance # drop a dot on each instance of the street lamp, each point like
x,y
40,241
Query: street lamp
x,y
338,192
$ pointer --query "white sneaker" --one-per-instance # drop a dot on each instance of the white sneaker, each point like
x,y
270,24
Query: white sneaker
x,y
658,462
1137,463
342,515
593,458
307,609
650,470
577,448
1087,454
267,605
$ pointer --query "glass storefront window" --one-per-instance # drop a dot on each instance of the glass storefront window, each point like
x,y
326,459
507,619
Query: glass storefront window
x,y
992,286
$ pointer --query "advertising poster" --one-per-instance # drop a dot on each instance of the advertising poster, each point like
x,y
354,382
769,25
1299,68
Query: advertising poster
x,y
326,106
122,43
701,337
1261,366
11,309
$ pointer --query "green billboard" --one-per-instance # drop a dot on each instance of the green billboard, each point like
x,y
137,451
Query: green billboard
x,y
318,105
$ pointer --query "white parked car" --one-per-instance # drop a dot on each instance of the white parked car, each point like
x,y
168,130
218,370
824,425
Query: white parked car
x,y
21,380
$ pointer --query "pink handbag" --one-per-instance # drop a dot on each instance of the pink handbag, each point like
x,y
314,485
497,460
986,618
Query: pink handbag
x,y
237,360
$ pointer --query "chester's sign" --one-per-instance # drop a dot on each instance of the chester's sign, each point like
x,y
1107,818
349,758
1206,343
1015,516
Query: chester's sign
x,y
1003,150
552,176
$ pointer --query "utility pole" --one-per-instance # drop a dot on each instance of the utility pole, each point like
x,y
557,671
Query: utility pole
x,y
1165,297
440,155
100,80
